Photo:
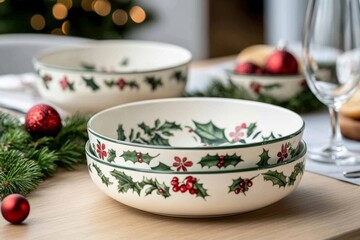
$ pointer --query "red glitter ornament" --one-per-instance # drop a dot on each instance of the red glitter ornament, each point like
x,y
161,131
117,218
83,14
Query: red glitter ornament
x,y
248,68
42,120
281,62
15,208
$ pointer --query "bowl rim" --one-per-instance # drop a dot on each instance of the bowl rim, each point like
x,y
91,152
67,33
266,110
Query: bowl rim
x,y
281,77
217,147
301,152
37,59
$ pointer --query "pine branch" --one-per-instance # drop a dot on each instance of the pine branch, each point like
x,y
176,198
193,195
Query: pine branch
x,y
302,103
26,161
18,174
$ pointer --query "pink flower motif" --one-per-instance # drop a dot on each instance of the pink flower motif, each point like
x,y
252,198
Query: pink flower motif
x,y
100,149
181,164
256,87
238,134
64,83
121,83
283,154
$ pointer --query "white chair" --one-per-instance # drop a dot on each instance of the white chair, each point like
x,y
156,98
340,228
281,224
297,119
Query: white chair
x,y
18,50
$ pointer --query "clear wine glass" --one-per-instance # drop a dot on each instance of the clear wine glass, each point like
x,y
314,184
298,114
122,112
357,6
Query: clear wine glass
x,y
331,58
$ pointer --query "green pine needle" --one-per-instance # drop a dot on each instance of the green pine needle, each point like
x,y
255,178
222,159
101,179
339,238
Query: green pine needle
x,y
26,161
18,174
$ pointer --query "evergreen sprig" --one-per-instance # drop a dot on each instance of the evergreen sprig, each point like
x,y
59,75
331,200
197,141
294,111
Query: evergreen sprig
x,y
26,161
302,103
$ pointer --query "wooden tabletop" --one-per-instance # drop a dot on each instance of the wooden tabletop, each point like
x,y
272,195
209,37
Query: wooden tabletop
x,y
69,206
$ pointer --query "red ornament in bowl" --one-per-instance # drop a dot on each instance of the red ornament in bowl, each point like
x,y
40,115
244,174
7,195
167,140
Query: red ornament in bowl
x,y
248,68
281,62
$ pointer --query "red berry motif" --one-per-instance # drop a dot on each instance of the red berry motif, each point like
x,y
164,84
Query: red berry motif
x,y
241,185
140,160
221,162
189,184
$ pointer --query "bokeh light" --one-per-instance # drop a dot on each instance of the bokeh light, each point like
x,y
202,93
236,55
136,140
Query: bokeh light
x,y
87,5
67,3
65,27
57,31
119,17
102,7
59,11
37,22
137,14
1,1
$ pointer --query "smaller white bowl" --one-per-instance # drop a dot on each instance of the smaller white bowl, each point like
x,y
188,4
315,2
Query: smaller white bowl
x,y
107,73
197,194
279,87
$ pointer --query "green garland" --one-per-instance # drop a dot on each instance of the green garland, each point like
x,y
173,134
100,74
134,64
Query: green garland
x,y
26,161
302,103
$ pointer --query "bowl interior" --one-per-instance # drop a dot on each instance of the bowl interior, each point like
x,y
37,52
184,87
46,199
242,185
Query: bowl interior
x,y
116,56
196,122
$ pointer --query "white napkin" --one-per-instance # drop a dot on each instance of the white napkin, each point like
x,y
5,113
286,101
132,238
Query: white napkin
x,y
18,92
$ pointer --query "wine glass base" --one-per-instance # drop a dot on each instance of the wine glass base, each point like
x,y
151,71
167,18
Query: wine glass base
x,y
339,155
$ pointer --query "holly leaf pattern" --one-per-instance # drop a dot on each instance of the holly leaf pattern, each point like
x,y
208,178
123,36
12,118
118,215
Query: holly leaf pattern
x,y
250,129
270,137
90,82
111,155
161,167
202,192
121,133
298,169
134,156
167,127
209,133
125,182
212,160
109,83
236,184
46,79
153,82
264,158
105,180
161,189
179,76
124,62
277,178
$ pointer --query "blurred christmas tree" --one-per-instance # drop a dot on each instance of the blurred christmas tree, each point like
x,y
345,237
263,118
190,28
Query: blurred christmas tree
x,y
98,19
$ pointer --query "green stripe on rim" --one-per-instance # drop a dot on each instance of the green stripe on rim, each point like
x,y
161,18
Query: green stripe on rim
x,y
300,154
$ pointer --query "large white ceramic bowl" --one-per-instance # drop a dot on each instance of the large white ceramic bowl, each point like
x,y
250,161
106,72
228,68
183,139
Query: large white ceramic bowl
x,y
279,87
197,194
96,76
195,134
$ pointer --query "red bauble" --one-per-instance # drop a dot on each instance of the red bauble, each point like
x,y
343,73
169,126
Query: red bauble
x,y
43,120
281,62
15,208
248,68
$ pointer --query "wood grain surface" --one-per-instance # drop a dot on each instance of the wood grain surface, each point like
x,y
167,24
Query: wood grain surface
x,y
69,206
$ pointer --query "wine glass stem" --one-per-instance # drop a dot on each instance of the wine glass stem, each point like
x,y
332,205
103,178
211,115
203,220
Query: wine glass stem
x,y
336,138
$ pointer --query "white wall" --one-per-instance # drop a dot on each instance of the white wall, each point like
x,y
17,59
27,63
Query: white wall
x,y
284,20
181,22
